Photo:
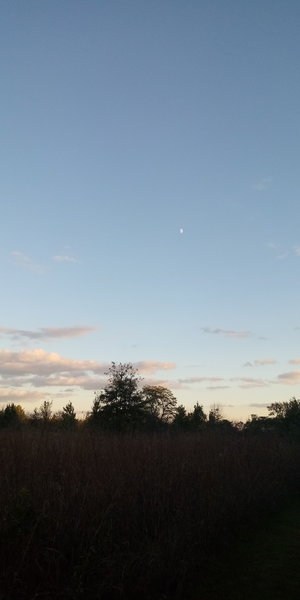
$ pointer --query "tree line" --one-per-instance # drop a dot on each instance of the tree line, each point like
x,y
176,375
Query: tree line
x,y
125,406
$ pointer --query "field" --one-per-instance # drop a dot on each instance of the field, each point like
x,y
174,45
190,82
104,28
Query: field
x,y
127,516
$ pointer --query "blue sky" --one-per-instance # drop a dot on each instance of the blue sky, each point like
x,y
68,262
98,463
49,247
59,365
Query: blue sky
x,y
150,199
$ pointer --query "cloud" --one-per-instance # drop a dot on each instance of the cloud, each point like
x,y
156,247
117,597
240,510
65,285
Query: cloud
x,y
295,361
10,395
31,362
65,258
45,333
218,387
249,382
290,378
296,250
248,364
264,361
263,184
283,255
25,262
171,384
228,332
258,404
200,379
37,368
85,382
147,367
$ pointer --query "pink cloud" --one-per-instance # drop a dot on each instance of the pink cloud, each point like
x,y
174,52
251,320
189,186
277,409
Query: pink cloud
x,y
230,333
147,367
11,395
293,377
265,361
48,332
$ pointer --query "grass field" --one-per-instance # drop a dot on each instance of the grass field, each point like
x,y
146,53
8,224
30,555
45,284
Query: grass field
x,y
264,565
84,515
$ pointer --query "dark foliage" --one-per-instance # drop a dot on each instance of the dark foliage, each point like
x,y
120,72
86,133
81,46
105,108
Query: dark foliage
x,y
88,515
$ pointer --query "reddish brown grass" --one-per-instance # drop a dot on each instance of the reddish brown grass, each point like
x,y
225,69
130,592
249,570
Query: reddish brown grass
x,y
85,515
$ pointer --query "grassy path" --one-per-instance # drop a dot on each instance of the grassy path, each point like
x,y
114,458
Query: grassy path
x,y
264,567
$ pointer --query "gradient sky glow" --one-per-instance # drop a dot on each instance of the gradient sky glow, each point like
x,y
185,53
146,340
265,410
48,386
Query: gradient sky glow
x,y
150,189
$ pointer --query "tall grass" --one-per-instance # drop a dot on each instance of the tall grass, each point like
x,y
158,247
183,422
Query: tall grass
x,y
84,515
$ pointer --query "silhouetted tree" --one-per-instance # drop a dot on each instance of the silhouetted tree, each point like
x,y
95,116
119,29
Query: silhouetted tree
x,y
121,405
181,420
68,416
46,411
257,424
12,415
42,415
214,416
94,418
159,402
286,416
197,418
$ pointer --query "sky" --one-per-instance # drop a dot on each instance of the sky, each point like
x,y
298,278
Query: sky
x,y
150,200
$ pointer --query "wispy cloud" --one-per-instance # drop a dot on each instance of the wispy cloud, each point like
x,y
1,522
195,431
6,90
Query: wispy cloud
x,y
263,184
148,367
171,384
10,395
229,333
65,258
249,382
200,379
37,368
45,333
37,361
218,387
294,361
260,362
258,404
284,252
290,378
23,261
83,381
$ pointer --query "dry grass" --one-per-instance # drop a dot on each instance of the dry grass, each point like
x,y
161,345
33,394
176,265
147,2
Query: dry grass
x,y
85,515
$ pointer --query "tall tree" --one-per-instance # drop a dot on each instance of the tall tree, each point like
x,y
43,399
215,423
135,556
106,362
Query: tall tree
x,y
12,415
287,416
68,416
159,402
46,411
197,417
121,401
181,420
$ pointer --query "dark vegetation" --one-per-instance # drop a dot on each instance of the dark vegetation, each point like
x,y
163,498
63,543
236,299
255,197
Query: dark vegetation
x,y
262,565
140,499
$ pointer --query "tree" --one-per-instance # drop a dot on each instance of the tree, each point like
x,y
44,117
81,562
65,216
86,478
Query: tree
x,y
285,410
256,424
214,416
120,406
181,420
46,411
197,417
68,416
94,418
286,415
42,414
12,415
159,402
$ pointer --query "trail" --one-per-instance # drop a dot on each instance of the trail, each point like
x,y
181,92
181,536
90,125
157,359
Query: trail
x,y
266,566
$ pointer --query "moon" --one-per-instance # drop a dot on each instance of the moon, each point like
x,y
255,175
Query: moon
x,y
181,230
